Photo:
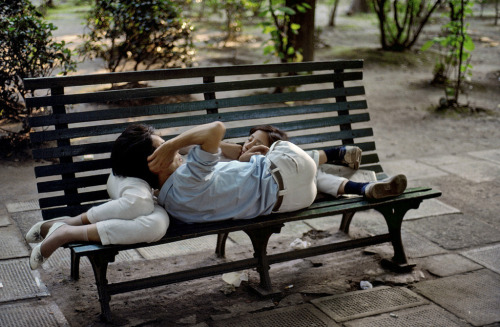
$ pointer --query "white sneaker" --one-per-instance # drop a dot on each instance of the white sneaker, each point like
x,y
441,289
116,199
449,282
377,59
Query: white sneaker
x,y
352,156
36,258
389,187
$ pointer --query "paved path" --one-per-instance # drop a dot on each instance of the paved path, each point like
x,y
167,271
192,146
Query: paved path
x,y
455,239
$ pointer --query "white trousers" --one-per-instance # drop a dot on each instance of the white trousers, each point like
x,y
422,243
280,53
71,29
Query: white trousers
x,y
298,171
327,183
131,216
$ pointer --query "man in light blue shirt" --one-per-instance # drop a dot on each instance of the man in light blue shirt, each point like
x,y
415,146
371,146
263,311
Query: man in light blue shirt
x,y
203,189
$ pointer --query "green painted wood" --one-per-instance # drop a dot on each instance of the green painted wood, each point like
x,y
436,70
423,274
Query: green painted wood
x,y
73,198
76,167
252,100
73,150
106,129
152,92
166,74
319,209
77,182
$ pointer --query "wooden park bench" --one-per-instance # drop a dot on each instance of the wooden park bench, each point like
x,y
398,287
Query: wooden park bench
x,y
320,104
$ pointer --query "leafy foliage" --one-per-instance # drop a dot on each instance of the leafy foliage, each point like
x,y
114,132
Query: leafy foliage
x,y
453,65
27,49
148,33
280,26
401,21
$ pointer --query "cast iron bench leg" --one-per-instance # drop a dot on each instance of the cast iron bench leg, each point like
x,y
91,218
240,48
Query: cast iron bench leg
x,y
100,266
220,250
394,214
260,238
346,221
75,266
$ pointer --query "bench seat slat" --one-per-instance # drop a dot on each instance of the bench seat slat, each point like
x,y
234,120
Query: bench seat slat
x,y
152,92
73,198
176,73
318,209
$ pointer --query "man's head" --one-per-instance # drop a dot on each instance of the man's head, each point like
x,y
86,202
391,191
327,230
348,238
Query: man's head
x,y
131,150
264,135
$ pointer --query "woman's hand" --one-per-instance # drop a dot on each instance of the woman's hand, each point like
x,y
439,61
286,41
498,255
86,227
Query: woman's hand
x,y
255,150
162,158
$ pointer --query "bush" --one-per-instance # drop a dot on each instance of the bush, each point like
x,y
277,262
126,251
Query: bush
x,y
148,33
27,49
401,21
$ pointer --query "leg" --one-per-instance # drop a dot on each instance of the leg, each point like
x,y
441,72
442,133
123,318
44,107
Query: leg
x,y
394,214
260,238
100,266
346,222
75,266
220,250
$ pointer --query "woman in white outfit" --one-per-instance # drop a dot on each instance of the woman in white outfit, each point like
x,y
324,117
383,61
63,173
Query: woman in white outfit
x,y
132,215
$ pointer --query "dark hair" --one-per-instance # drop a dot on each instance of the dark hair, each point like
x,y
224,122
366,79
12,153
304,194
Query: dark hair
x,y
273,133
129,157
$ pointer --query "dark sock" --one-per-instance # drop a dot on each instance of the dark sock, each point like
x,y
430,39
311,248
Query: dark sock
x,y
354,188
335,154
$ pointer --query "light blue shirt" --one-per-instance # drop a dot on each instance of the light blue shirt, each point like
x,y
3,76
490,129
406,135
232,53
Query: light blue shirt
x,y
204,189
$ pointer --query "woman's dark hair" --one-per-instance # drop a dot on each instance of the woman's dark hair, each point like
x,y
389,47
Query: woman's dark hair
x,y
129,157
273,133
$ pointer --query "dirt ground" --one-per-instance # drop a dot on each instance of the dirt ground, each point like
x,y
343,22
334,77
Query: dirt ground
x,y
400,99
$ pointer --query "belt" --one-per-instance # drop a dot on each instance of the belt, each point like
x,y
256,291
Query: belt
x,y
281,186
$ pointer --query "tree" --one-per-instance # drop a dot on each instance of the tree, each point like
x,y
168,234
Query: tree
x,y
401,21
304,39
281,26
454,62
147,33
27,49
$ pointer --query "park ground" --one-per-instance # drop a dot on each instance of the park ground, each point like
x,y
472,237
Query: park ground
x,y
407,128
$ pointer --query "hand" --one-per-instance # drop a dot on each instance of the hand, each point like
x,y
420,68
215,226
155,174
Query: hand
x,y
255,150
162,158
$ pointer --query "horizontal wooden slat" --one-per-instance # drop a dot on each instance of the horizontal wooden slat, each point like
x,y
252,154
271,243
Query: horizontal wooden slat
x,y
117,128
152,92
165,74
162,109
73,198
327,137
72,183
74,150
66,211
74,167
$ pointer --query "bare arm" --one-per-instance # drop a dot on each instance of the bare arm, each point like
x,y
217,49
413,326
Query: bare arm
x,y
230,150
208,136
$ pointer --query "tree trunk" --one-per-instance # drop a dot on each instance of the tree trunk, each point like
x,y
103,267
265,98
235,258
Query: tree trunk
x,y
358,6
331,20
304,40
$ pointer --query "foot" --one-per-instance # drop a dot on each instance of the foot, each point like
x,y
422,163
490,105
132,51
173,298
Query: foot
x,y
39,230
389,187
36,258
347,155
352,156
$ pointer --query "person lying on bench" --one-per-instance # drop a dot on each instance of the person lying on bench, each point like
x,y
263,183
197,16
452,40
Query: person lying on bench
x,y
130,217
203,189
261,137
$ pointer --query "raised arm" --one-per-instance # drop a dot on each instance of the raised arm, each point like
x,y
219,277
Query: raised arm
x,y
208,136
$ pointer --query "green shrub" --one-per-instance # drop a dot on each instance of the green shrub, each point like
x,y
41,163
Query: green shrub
x,y
148,33
27,49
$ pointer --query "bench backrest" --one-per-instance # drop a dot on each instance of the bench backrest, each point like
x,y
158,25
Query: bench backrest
x,y
320,104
